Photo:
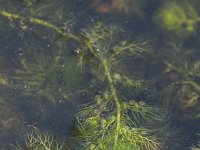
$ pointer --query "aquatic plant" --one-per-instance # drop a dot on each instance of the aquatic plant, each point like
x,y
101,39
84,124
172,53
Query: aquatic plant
x,y
197,147
3,80
115,120
110,122
183,91
180,87
97,126
47,77
177,17
36,140
119,117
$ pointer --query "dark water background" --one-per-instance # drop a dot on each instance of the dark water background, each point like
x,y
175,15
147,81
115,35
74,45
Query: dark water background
x,y
28,52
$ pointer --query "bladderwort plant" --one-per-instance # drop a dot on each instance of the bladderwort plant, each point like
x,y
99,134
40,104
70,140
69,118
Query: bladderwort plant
x,y
179,18
36,140
183,92
111,121
45,75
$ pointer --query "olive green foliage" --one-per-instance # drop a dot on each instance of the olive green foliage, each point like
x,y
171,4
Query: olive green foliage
x,y
48,77
109,122
177,17
117,117
183,91
196,147
180,75
36,140
99,126
43,71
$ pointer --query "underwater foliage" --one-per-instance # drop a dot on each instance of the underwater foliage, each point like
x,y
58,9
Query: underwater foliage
x,y
110,122
47,77
98,128
9,122
44,70
177,17
117,115
36,140
197,147
182,92
118,119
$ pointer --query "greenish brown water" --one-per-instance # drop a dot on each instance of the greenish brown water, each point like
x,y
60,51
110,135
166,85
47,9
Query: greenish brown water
x,y
94,74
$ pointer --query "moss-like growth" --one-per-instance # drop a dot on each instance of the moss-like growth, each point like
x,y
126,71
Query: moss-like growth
x,y
179,18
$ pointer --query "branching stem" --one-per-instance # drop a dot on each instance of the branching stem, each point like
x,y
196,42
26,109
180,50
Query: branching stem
x,y
116,100
43,23
89,45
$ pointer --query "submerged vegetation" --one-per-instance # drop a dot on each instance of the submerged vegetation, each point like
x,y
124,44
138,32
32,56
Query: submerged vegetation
x,y
179,18
132,96
40,141
110,122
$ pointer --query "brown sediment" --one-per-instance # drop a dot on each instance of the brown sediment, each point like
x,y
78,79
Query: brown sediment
x,y
104,8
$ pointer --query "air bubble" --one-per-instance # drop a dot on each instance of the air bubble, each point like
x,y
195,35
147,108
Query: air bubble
x,y
77,51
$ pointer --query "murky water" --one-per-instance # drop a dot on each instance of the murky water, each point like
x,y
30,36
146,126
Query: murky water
x,y
134,58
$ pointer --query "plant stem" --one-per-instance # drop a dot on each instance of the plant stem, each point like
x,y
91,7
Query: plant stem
x,y
43,23
116,100
89,45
